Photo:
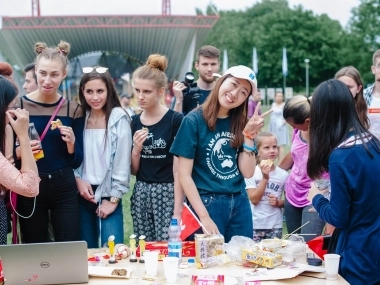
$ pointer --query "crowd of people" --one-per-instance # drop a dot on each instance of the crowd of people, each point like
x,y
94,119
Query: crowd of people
x,y
208,150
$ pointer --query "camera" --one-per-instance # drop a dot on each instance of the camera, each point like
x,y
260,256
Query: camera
x,y
189,83
191,94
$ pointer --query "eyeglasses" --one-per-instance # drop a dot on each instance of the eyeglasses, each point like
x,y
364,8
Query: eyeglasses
x,y
97,69
14,107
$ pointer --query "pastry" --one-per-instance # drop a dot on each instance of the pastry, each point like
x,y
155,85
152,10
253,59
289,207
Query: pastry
x,y
119,272
266,162
55,124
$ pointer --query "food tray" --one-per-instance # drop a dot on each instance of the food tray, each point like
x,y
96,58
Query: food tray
x,y
97,271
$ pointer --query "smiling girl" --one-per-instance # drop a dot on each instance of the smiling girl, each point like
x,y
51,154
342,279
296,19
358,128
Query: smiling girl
x,y
63,151
103,177
152,202
216,151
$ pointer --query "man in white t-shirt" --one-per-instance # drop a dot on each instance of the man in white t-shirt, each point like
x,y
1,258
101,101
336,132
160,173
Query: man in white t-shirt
x,y
372,96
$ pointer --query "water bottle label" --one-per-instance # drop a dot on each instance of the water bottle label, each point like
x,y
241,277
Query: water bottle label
x,y
175,249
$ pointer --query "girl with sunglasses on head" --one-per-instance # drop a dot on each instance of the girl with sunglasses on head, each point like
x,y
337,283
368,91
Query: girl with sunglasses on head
x,y
24,181
157,195
216,152
103,177
62,150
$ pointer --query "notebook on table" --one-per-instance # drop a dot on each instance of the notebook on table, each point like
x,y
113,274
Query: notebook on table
x,y
45,263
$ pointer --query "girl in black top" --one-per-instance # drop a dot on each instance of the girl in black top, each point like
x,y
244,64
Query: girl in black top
x,y
152,202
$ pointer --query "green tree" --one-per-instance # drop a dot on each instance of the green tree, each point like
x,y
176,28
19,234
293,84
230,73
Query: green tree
x,y
363,37
271,25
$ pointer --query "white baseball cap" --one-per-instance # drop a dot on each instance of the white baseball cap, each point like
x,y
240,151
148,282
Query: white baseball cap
x,y
244,72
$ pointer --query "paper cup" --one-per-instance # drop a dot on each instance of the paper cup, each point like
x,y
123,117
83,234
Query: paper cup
x,y
170,268
331,266
151,262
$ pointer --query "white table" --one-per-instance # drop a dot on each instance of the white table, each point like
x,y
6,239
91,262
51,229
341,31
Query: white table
x,y
228,269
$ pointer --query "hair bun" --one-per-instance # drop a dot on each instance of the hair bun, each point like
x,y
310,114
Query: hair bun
x,y
6,69
39,47
157,61
64,48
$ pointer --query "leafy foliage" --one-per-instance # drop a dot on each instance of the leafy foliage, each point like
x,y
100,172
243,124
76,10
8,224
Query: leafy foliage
x,y
271,25
364,36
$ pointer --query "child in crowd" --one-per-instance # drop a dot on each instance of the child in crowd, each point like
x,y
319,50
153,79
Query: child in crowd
x,y
216,151
298,210
265,189
157,195
103,177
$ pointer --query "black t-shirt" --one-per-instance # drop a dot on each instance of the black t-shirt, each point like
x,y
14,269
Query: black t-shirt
x,y
191,101
156,163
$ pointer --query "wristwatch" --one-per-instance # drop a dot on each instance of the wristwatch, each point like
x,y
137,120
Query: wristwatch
x,y
114,200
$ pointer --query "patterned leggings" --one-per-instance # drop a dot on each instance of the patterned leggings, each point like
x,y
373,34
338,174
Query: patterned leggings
x,y
152,206
260,234
3,222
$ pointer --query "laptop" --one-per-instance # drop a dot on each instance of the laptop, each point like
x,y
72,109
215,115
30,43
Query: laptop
x,y
45,263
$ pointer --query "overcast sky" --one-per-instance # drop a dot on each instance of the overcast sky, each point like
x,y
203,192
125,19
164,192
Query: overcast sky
x,y
336,9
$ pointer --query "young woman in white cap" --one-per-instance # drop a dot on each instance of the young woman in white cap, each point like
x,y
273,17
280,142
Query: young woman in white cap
x,y
216,151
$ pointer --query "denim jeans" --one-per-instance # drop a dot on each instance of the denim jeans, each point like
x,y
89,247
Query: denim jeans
x,y
296,217
59,194
91,223
231,213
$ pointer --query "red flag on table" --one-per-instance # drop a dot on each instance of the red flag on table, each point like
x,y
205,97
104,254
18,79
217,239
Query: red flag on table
x,y
189,222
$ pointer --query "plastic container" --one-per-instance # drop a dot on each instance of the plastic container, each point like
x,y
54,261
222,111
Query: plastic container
x,y
272,245
174,241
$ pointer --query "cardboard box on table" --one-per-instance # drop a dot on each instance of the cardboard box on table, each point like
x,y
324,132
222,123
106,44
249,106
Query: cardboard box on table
x,y
209,250
188,248
261,257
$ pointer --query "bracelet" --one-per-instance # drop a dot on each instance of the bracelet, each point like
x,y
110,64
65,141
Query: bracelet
x,y
249,152
252,149
248,136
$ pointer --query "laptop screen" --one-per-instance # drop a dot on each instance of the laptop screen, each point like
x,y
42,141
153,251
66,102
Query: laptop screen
x,y
45,263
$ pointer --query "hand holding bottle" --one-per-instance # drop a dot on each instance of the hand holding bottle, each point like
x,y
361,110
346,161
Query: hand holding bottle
x,y
35,142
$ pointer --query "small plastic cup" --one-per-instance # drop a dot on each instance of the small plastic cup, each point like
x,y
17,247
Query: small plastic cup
x,y
331,266
151,262
272,245
170,268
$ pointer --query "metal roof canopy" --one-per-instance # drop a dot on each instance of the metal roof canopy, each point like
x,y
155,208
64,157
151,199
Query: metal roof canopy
x,y
136,36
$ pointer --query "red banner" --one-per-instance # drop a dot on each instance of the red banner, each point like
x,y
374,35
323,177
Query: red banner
x,y
189,222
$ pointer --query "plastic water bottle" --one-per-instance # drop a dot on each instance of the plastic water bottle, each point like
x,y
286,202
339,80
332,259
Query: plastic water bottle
x,y
174,241
34,136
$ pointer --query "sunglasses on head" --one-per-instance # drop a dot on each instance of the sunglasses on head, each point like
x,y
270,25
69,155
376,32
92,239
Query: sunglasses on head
x,y
97,69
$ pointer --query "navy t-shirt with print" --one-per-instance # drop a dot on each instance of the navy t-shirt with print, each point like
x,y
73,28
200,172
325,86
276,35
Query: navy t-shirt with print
x,y
215,166
156,162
